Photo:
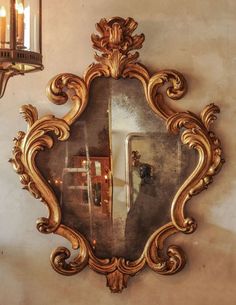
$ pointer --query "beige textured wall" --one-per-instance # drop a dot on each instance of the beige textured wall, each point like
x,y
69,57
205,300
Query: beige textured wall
x,y
197,38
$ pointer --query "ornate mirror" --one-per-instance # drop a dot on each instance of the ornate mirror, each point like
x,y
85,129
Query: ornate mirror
x,y
118,169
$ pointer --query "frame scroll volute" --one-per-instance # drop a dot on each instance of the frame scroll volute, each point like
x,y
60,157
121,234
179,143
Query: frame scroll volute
x,y
118,59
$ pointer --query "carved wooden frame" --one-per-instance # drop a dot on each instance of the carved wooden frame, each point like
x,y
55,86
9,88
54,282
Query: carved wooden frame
x,y
116,43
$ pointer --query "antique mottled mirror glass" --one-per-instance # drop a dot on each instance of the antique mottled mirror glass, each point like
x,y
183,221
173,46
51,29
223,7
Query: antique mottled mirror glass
x,y
117,170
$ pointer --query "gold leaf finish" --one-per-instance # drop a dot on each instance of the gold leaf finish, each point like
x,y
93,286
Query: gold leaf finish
x,y
117,281
24,152
197,135
116,43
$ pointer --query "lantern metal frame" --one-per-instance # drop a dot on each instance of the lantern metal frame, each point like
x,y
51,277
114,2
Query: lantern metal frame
x,y
14,61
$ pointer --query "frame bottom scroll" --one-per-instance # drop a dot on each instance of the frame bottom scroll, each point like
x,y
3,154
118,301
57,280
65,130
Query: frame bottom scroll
x,y
119,270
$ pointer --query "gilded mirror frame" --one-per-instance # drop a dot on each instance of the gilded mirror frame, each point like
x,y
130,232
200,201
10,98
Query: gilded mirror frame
x,y
116,44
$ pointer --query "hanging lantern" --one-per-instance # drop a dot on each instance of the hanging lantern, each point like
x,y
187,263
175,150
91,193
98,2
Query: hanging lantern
x,y
20,39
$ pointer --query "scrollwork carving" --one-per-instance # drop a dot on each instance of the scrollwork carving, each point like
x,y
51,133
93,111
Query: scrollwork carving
x,y
116,44
24,152
173,261
198,136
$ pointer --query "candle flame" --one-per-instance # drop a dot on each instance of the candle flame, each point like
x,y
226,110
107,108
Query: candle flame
x,y
3,12
20,8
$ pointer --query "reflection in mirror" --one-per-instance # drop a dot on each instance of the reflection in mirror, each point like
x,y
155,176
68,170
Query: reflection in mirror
x,y
116,176
149,166
157,165
79,172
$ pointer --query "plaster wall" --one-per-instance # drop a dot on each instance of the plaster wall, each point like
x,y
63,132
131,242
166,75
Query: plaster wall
x,y
198,38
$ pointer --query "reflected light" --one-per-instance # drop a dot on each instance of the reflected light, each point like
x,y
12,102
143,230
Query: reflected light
x,y
94,244
27,27
3,12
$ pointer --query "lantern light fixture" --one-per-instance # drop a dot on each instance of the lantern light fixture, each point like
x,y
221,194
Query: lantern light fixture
x,y
20,39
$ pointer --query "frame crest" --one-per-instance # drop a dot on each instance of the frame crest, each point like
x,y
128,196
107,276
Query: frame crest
x,y
117,59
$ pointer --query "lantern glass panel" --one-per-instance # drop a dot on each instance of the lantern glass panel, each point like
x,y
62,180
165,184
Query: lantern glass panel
x,y
4,24
28,25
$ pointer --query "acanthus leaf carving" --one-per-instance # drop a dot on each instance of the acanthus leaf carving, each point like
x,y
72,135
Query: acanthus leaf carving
x,y
198,136
117,281
171,262
115,43
27,145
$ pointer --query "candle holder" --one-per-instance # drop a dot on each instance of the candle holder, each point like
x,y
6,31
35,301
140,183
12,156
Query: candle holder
x,y
20,39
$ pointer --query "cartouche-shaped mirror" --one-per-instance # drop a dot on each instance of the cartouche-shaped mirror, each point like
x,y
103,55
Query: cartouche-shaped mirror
x,y
118,169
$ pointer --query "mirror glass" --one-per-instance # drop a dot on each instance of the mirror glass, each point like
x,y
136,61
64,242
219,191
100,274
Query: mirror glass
x,y
117,174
